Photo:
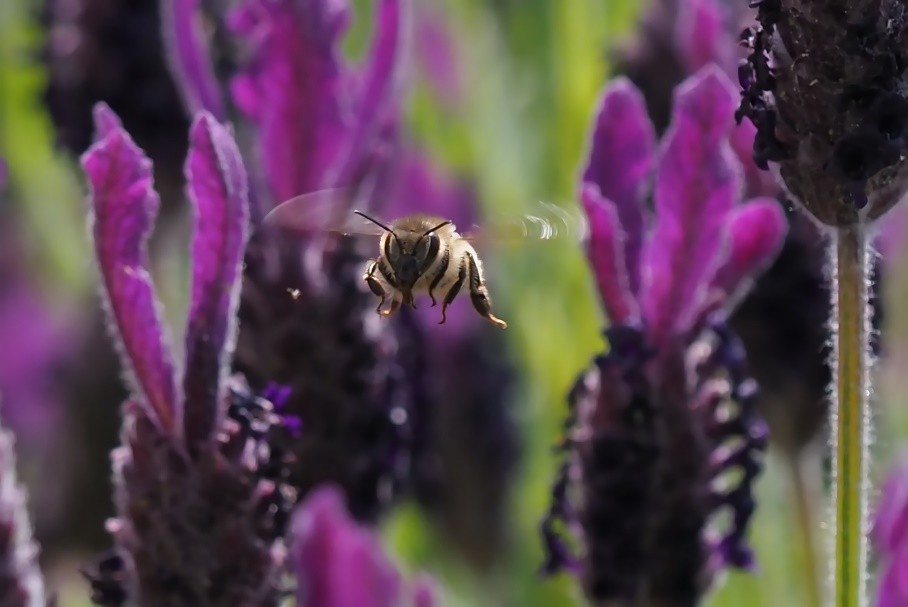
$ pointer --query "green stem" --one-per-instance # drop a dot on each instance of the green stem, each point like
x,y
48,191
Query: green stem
x,y
850,420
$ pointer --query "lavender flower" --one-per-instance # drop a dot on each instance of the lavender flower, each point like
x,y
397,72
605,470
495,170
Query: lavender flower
x,y
340,564
198,491
890,538
660,424
21,582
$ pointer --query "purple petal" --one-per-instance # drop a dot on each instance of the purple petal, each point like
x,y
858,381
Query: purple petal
x,y
756,232
894,581
424,591
106,122
702,35
124,205
218,189
620,159
697,184
338,563
436,55
758,181
189,58
291,89
605,252
375,99
890,523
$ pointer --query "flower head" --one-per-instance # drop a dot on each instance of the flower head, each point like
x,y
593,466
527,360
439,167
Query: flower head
x,y
890,538
340,564
659,422
824,86
194,478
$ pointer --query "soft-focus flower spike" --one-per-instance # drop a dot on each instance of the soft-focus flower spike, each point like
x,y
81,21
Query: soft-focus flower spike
x,y
662,432
341,564
621,155
697,183
293,89
124,205
890,538
219,192
21,581
188,57
316,121
200,507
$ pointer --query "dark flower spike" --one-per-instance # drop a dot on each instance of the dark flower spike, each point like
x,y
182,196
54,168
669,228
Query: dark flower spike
x,y
21,582
315,119
189,58
341,564
824,86
200,492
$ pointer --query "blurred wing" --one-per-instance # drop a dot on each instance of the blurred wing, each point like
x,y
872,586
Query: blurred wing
x,y
546,221
323,211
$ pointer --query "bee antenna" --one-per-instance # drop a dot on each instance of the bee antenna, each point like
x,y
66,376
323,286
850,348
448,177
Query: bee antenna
x,y
375,221
438,227
381,225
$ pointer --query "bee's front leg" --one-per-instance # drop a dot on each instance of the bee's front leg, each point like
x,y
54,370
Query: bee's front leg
x,y
479,295
375,286
394,307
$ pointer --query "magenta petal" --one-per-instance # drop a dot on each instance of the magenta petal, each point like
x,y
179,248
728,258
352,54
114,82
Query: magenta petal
x,y
338,563
605,251
698,182
620,159
893,590
702,35
218,190
376,99
106,122
756,232
123,208
291,89
890,521
188,56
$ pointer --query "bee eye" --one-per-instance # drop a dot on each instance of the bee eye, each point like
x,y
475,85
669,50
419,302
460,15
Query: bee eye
x,y
392,249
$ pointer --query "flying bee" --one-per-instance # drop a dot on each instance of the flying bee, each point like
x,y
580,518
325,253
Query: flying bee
x,y
420,253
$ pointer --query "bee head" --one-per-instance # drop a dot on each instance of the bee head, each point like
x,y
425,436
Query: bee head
x,y
409,252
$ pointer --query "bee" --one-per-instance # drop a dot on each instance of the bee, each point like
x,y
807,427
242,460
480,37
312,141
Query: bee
x,y
420,253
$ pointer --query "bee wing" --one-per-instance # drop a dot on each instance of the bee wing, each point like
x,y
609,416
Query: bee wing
x,y
545,221
322,211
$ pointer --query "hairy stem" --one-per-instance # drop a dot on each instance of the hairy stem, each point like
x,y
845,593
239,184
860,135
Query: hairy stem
x,y
850,419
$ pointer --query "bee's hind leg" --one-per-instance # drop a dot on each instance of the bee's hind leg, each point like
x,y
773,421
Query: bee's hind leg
x,y
479,295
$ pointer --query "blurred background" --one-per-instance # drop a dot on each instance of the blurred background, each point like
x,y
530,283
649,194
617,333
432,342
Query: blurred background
x,y
501,94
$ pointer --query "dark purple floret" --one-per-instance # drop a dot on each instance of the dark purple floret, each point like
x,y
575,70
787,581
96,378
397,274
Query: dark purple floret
x,y
826,94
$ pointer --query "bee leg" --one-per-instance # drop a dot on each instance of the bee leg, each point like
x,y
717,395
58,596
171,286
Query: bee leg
x,y
394,307
452,293
375,286
434,303
479,295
